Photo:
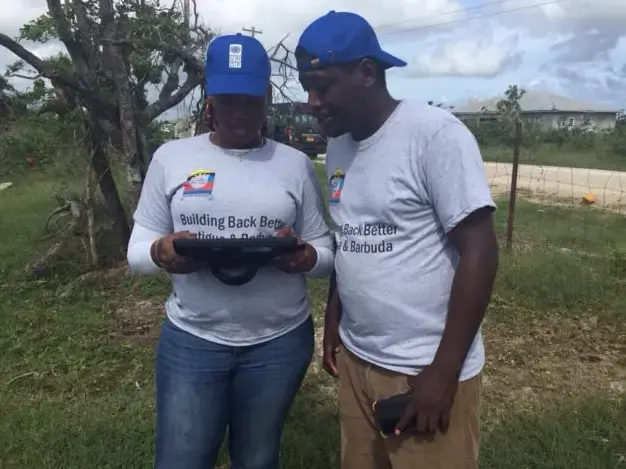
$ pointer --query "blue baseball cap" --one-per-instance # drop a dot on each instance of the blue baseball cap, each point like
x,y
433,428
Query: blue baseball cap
x,y
237,64
341,37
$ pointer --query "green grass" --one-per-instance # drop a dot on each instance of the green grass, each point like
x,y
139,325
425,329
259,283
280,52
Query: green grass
x,y
76,383
551,155
566,260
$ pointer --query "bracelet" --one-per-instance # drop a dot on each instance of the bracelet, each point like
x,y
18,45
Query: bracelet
x,y
154,253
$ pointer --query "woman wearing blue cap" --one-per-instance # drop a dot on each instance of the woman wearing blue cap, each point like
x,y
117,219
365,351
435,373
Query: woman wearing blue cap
x,y
230,356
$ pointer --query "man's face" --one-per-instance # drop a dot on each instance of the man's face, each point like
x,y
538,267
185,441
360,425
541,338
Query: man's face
x,y
333,96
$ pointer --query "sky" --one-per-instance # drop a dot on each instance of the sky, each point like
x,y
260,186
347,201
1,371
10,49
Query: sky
x,y
456,49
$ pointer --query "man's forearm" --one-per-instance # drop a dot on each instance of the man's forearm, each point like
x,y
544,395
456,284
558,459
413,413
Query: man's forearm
x,y
333,304
469,298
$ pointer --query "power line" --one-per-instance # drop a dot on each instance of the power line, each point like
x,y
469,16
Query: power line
x,y
445,13
486,15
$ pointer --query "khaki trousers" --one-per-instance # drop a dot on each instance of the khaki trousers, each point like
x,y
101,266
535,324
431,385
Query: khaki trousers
x,y
362,447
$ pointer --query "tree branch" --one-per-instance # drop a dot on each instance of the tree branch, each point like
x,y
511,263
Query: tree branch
x,y
76,51
56,76
164,103
286,70
172,82
36,62
24,77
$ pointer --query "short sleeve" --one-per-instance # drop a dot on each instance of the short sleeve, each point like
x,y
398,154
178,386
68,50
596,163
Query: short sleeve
x,y
310,222
153,210
454,175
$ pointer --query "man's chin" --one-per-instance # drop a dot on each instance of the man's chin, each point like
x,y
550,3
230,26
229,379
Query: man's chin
x,y
332,130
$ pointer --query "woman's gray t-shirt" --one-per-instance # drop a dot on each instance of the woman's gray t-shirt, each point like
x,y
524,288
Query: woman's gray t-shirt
x,y
193,185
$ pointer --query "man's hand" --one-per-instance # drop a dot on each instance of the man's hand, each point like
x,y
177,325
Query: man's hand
x,y
433,394
330,345
163,254
300,261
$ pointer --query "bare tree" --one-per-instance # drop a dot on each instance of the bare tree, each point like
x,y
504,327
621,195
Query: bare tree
x,y
118,50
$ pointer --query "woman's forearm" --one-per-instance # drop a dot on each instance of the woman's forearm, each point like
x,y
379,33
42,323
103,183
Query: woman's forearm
x,y
325,257
139,256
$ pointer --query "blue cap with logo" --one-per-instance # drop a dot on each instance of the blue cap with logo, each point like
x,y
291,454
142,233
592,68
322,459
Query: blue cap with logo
x,y
341,37
237,64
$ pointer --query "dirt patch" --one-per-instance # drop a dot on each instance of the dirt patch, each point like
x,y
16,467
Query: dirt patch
x,y
138,321
553,200
535,362
531,363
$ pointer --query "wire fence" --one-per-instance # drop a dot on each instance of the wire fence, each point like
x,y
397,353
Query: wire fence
x,y
568,187
574,186
555,185
515,173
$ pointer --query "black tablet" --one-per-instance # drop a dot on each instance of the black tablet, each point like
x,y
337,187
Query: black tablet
x,y
235,261
252,249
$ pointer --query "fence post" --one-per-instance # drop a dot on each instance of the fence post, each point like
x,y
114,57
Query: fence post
x,y
516,149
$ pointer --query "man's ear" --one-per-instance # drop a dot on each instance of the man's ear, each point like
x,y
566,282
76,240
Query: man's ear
x,y
368,72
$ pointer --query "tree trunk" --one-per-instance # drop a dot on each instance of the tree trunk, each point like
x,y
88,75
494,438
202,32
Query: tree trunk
x,y
106,182
127,123
118,69
143,148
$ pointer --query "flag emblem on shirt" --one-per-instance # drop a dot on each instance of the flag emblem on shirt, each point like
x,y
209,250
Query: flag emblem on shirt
x,y
199,182
336,185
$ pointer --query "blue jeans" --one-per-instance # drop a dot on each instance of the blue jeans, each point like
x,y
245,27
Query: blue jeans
x,y
204,388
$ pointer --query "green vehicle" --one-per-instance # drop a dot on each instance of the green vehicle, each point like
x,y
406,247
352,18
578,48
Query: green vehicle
x,y
294,125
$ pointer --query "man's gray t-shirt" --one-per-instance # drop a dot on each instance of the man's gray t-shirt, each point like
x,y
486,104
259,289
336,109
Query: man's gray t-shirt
x,y
193,185
393,199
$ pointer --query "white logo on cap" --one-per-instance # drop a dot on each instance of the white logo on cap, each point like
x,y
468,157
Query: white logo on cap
x,y
234,55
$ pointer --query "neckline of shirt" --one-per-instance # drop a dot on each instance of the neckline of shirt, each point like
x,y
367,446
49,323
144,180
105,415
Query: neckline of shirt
x,y
236,151
369,141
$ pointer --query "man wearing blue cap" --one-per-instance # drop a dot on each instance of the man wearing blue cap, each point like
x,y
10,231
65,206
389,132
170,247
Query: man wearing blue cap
x,y
416,255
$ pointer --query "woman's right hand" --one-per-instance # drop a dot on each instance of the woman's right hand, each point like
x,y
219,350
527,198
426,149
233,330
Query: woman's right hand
x,y
164,256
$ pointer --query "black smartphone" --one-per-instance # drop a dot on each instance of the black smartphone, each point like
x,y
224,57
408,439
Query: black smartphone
x,y
387,413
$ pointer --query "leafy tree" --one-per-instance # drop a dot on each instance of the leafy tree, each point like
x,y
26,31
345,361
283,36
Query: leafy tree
x,y
10,103
509,107
116,51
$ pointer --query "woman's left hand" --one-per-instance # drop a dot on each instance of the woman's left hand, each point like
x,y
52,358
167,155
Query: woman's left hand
x,y
300,261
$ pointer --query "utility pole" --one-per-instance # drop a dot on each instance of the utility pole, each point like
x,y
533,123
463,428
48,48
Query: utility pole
x,y
253,31
186,13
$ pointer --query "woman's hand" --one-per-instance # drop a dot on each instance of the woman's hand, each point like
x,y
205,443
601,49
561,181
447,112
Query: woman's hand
x,y
163,254
300,261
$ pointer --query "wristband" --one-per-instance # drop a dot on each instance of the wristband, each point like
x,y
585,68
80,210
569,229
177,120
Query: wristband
x,y
154,253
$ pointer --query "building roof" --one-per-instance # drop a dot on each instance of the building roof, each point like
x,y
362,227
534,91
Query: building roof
x,y
536,102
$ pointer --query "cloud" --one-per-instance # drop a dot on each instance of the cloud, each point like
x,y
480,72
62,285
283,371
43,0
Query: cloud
x,y
12,19
468,58
274,18
477,49
277,17
588,84
586,47
553,17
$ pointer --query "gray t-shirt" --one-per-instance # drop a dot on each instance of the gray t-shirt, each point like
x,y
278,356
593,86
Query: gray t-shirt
x,y
393,199
193,185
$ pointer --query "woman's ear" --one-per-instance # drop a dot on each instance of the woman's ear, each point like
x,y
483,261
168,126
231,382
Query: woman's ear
x,y
209,115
